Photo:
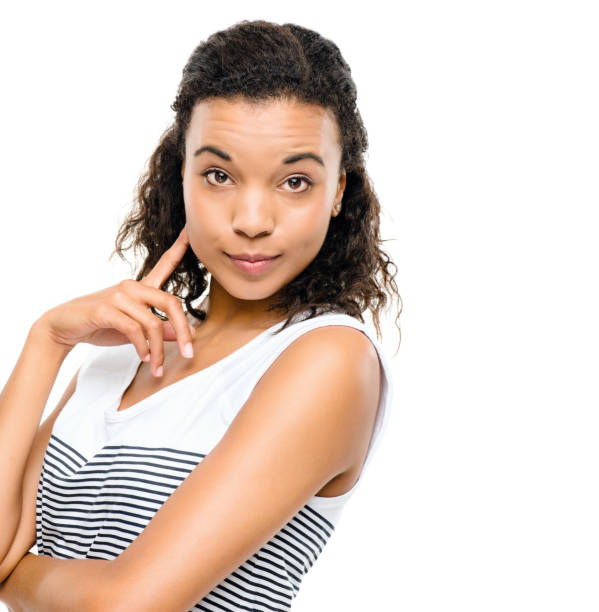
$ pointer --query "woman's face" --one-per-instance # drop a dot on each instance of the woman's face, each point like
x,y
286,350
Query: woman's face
x,y
245,194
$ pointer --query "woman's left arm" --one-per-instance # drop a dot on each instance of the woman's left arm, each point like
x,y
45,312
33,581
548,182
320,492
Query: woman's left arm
x,y
42,583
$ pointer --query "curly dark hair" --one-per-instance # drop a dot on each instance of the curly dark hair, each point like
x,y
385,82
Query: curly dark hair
x,y
259,61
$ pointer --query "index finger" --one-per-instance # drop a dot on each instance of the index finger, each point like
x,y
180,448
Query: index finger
x,y
167,263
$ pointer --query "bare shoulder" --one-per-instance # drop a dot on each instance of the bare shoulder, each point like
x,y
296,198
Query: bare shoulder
x,y
341,336
345,351
335,374
339,354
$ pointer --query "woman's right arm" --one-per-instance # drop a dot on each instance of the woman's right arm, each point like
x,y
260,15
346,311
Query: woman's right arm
x,y
116,315
22,403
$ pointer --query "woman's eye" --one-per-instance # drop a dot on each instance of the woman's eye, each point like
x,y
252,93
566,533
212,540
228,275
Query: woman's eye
x,y
216,172
298,180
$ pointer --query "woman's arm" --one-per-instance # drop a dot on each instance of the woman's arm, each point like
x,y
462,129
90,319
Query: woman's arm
x,y
44,584
304,423
22,402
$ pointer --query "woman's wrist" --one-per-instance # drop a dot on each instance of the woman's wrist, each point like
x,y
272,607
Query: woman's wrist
x,y
41,336
40,582
9,588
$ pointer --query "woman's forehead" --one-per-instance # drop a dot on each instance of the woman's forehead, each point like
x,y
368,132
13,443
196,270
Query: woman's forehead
x,y
281,120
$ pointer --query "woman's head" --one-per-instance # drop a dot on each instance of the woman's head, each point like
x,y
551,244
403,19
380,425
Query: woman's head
x,y
259,93
244,193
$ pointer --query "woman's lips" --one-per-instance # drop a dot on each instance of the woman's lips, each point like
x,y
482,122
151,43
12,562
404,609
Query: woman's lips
x,y
255,267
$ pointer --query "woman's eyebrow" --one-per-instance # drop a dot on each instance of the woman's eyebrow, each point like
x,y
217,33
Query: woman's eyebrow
x,y
288,160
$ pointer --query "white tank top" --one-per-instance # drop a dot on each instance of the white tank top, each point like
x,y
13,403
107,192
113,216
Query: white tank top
x,y
107,472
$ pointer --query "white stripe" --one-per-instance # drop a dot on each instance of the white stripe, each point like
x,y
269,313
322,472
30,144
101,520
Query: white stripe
x,y
96,508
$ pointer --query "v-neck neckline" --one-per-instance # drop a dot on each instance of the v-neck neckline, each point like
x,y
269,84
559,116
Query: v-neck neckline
x,y
111,411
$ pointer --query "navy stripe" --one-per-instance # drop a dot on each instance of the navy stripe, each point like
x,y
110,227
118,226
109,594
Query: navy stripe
x,y
93,509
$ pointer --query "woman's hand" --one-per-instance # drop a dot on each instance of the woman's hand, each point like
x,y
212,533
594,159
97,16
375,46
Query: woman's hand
x,y
120,314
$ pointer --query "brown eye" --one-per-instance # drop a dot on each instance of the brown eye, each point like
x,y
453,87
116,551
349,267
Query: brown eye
x,y
221,176
295,181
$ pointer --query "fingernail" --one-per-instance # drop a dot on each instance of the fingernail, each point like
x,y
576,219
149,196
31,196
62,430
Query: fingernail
x,y
146,358
188,350
159,371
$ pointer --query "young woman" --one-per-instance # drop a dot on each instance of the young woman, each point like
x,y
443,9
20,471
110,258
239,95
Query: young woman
x,y
201,456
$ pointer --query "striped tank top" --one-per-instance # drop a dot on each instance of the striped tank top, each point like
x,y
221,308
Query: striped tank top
x,y
106,472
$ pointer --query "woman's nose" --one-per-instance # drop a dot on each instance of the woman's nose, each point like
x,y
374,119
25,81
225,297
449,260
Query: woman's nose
x,y
253,216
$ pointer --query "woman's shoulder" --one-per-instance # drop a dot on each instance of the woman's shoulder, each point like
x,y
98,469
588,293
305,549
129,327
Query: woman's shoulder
x,y
339,335
344,338
335,330
332,338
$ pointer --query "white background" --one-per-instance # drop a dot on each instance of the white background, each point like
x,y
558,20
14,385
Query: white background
x,y
483,127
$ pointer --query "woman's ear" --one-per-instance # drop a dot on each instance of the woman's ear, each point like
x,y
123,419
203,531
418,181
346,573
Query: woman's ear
x,y
341,186
339,194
